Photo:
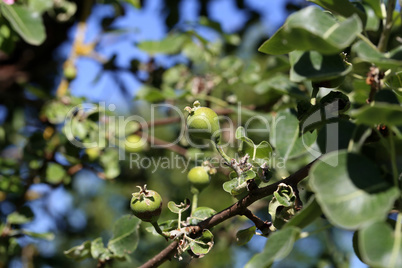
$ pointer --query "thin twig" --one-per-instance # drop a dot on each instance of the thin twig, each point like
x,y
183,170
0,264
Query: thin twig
x,y
263,226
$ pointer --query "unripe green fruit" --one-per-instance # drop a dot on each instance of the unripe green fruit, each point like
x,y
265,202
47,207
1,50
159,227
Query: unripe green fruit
x,y
93,153
70,72
203,123
199,179
134,144
146,205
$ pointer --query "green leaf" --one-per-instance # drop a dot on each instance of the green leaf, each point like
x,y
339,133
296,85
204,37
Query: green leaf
x,y
350,189
109,160
278,246
26,23
165,226
236,187
251,73
369,53
284,133
313,29
283,198
55,111
244,236
279,84
179,208
376,6
150,94
230,185
45,236
55,173
97,248
22,216
341,7
40,6
277,44
125,236
394,81
200,214
259,153
80,252
203,244
316,66
379,113
373,22
380,245
307,215
172,44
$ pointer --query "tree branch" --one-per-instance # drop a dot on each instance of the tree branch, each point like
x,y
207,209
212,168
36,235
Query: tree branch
x,y
263,226
238,208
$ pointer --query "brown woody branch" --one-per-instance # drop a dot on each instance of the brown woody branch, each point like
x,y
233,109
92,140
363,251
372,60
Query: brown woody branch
x,y
261,225
238,208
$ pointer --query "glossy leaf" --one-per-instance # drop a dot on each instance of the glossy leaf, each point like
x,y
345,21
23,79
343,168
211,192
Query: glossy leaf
x,y
284,133
380,245
277,44
316,66
376,6
370,54
379,113
350,189
342,7
26,23
278,246
313,29
125,236
373,22
245,235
